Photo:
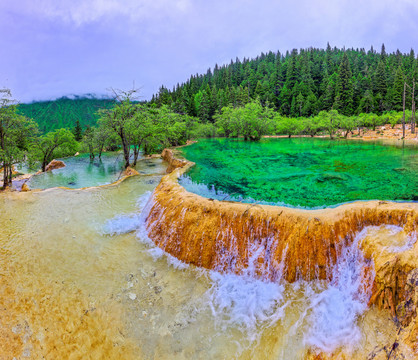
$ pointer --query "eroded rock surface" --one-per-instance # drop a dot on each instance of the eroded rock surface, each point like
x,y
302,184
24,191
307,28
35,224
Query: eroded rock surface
x,y
55,164
173,162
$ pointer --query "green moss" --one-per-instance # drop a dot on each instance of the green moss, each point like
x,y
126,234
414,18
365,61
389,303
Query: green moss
x,y
305,172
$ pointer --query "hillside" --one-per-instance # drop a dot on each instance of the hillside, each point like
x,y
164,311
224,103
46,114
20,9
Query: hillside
x,y
300,83
64,112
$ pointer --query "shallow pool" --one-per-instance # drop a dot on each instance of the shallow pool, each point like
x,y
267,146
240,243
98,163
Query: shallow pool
x,y
302,172
81,172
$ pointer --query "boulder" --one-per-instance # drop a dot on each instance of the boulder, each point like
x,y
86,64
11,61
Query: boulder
x,y
55,164
25,187
130,171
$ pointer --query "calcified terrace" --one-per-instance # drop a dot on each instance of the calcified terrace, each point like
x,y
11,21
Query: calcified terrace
x,y
296,244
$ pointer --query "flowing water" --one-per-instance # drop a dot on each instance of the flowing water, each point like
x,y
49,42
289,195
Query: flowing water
x,y
80,279
302,172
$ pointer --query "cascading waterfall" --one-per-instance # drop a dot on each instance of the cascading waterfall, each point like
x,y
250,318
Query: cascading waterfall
x,y
336,308
249,299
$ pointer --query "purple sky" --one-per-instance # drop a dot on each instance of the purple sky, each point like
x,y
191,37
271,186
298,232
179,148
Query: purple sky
x,y
51,48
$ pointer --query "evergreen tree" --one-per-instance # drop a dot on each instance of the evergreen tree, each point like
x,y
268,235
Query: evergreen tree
x,y
345,87
78,131
298,82
367,103
396,94
383,54
380,87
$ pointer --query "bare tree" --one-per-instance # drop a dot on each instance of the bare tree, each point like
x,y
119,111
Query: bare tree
x,y
413,107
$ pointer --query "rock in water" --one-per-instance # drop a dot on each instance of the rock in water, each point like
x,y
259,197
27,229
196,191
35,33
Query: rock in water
x,y
25,188
130,171
55,164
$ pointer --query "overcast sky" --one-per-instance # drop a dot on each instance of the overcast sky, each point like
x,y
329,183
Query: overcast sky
x,y
51,48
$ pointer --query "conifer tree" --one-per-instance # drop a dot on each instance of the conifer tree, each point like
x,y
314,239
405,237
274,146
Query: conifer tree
x,y
345,87
395,96
326,79
383,53
78,131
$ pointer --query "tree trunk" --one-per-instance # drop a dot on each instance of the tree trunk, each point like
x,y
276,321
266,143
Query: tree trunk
x,y
413,109
136,154
10,179
126,152
44,164
5,176
91,150
403,117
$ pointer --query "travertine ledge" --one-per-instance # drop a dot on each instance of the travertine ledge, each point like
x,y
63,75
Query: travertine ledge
x,y
222,235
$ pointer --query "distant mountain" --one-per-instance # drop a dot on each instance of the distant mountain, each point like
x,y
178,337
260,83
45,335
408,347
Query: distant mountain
x,y
65,111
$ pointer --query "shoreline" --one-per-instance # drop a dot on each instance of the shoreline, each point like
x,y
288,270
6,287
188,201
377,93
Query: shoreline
x,y
369,135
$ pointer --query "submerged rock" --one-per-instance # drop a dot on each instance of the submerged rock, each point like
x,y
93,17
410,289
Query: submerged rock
x,y
55,164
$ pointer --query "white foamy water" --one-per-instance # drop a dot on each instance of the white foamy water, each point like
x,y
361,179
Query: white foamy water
x,y
122,224
244,302
330,312
334,311
248,303
157,253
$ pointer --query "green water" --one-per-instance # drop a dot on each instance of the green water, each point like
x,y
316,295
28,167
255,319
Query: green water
x,y
302,172
81,172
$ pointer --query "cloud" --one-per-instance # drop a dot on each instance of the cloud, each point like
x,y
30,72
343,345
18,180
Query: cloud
x,y
88,45
82,12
